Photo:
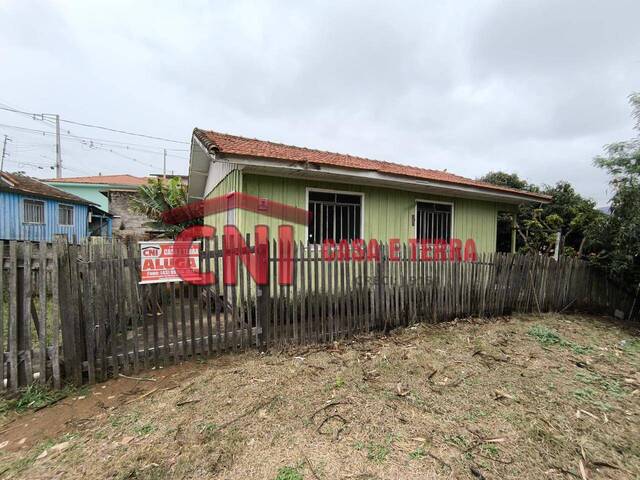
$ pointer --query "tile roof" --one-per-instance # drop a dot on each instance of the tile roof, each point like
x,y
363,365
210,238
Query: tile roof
x,y
235,145
126,179
12,182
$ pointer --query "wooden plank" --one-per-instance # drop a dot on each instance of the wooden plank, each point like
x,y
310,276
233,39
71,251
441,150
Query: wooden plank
x,y
324,299
134,304
224,302
303,294
88,317
25,333
242,310
42,324
316,332
55,318
13,316
249,315
2,336
191,293
208,290
100,311
166,340
122,308
216,289
294,303
175,353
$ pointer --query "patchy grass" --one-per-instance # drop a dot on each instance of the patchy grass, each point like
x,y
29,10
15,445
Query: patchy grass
x,y
35,397
289,473
430,401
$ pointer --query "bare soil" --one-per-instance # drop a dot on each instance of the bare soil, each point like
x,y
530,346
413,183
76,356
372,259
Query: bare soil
x,y
526,397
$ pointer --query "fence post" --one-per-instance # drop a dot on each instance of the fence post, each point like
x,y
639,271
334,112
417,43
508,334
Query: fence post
x,y
262,298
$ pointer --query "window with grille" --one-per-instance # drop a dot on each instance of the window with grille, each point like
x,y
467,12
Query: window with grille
x,y
33,211
334,216
433,221
65,215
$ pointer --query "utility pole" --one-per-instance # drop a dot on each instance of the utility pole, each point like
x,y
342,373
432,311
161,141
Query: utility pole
x,y
4,151
164,164
58,150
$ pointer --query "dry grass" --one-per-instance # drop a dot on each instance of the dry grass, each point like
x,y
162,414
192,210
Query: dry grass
x,y
523,397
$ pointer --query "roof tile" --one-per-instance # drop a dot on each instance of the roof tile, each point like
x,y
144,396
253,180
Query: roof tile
x,y
235,145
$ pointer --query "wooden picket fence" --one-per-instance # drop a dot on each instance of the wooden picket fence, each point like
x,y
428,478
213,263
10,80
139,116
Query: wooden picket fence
x,y
76,313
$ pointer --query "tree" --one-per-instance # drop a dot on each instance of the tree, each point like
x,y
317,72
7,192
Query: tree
x,y
619,236
157,197
538,225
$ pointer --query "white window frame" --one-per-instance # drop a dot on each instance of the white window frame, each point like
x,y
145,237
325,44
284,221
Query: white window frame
x,y
73,215
440,202
330,190
44,213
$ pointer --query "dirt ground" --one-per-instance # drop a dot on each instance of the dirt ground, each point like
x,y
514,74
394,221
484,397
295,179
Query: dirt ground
x,y
526,397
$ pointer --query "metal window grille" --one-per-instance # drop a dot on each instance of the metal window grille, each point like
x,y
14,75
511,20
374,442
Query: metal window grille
x,y
433,221
33,211
334,216
65,215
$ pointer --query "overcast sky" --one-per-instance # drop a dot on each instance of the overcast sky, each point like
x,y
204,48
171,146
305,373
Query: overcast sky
x,y
532,87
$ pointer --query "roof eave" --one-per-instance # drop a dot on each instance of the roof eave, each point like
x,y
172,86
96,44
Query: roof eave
x,y
389,180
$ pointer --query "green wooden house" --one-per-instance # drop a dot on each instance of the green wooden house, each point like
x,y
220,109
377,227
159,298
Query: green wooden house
x,y
349,197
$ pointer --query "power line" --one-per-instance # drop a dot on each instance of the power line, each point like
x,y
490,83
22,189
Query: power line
x,y
89,125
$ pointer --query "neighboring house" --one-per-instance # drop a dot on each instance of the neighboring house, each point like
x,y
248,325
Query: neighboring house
x,y
33,210
113,193
349,197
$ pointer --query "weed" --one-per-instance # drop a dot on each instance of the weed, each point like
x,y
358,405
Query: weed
x,y
339,382
588,377
377,452
548,337
418,454
491,449
584,394
289,473
456,440
614,388
145,429
545,335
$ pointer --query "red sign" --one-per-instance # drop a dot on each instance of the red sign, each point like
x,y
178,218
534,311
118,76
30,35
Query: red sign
x,y
168,260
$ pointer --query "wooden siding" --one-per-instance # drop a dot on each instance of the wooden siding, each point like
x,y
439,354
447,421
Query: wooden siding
x,y
387,212
12,226
232,182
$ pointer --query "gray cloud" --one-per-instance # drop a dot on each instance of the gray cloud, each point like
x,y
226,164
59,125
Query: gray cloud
x,y
531,87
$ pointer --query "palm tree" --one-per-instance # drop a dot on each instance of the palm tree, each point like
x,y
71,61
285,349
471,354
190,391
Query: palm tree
x,y
157,197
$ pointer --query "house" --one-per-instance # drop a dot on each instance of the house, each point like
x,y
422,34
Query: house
x,y
349,197
113,193
33,210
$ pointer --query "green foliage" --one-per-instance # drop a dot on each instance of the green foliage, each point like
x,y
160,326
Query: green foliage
x,y
35,396
538,225
548,337
619,235
418,454
159,196
289,473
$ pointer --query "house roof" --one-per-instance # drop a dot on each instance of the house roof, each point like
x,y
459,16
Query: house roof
x,y
12,182
123,180
235,145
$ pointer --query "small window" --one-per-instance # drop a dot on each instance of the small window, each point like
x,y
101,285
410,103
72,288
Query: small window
x,y
334,216
33,211
65,215
434,221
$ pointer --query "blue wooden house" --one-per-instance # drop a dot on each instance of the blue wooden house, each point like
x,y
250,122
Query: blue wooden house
x,y
33,210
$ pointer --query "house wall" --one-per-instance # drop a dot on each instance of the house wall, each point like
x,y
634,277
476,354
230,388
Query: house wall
x,y
387,212
91,193
12,226
232,182
126,223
